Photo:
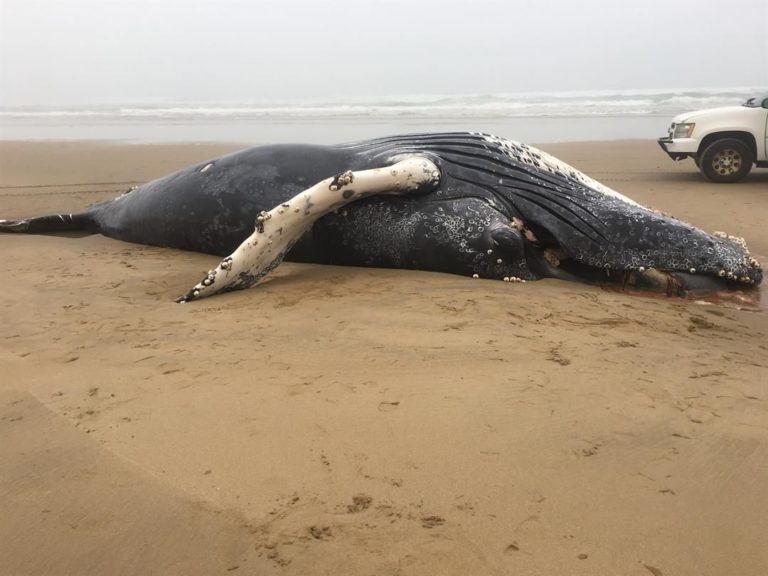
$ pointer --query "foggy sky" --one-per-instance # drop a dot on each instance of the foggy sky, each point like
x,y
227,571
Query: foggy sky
x,y
90,52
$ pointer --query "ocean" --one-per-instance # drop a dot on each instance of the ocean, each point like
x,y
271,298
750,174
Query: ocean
x,y
530,117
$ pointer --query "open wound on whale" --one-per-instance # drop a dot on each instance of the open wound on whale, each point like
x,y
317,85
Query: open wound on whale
x,y
277,230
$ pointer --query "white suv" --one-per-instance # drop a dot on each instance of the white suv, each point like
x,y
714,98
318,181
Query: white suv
x,y
724,142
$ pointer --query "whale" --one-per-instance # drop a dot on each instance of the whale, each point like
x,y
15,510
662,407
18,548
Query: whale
x,y
465,203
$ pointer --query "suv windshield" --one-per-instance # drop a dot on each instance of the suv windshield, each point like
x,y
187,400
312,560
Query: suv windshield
x,y
755,102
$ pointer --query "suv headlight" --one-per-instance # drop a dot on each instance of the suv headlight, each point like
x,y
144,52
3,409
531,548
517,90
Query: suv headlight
x,y
683,130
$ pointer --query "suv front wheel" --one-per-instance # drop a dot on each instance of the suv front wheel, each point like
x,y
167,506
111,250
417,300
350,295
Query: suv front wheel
x,y
726,160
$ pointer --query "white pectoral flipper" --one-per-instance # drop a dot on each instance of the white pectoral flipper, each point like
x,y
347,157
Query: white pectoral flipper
x,y
277,230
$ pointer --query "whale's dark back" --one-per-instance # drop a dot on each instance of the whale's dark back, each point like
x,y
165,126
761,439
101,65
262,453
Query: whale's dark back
x,y
211,207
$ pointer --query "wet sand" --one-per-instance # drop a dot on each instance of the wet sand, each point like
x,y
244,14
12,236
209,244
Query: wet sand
x,y
358,421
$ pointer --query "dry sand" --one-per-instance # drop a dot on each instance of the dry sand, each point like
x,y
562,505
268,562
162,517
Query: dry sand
x,y
357,421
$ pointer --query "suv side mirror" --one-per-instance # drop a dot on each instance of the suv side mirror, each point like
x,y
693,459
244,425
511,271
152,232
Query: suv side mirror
x,y
765,103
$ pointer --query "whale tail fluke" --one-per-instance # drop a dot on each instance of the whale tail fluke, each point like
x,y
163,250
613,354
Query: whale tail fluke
x,y
49,224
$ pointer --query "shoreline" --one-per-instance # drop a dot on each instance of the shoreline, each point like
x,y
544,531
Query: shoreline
x,y
330,130
354,420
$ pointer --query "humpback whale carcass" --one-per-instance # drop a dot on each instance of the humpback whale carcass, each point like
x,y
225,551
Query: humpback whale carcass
x,y
463,203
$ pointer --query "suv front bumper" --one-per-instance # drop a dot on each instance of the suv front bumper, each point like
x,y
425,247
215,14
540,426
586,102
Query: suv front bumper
x,y
679,149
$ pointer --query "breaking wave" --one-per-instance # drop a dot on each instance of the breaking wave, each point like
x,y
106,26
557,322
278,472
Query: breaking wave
x,y
540,104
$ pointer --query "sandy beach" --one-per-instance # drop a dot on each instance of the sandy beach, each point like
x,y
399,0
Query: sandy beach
x,y
360,421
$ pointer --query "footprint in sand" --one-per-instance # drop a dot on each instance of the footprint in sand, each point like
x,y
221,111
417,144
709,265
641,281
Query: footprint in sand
x,y
432,521
320,532
360,502
388,406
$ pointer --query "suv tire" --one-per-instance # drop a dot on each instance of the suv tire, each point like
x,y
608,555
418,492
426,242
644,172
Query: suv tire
x,y
726,160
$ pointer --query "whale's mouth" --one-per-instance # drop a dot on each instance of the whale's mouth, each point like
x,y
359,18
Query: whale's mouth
x,y
553,260
669,282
